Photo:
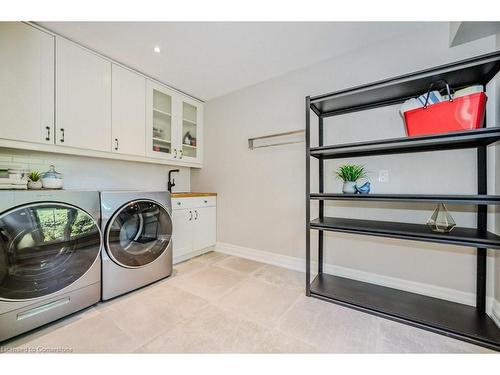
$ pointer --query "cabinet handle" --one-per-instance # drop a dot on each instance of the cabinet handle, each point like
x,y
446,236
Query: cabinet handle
x,y
47,138
180,154
116,144
205,201
62,135
196,214
190,215
175,153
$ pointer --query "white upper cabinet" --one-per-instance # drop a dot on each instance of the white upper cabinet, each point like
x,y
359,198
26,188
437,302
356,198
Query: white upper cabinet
x,y
58,93
26,83
161,122
191,142
83,98
128,112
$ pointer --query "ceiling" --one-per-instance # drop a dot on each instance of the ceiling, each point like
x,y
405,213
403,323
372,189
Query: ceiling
x,y
211,59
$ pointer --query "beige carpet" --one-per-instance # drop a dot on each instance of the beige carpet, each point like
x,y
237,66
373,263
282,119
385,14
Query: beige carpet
x,y
223,304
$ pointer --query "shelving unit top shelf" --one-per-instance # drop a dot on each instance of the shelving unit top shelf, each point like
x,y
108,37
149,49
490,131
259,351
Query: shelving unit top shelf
x,y
445,141
474,71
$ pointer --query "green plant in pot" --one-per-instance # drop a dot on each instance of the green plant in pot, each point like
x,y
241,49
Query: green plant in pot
x,y
34,180
350,173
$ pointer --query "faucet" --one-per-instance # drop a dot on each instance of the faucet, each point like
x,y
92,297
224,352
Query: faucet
x,y
171,182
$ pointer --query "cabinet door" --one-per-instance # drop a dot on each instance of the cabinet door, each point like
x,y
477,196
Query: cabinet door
x,y
191,130
26,83
160,122
128,112
182,234
204,228
83,98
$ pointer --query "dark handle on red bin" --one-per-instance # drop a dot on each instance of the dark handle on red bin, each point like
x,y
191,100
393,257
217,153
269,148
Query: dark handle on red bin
x,y
430,89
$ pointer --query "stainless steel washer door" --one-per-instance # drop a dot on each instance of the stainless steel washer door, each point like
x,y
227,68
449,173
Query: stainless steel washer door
x,y
45,247
138,233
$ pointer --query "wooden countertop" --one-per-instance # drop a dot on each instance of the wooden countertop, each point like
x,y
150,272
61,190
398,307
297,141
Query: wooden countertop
x,y
191,195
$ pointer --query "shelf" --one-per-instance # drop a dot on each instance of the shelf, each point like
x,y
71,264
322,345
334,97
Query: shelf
x,y
189,146
438,142
477,70
434,198
159,140
162,112
408,231
445,317
189,122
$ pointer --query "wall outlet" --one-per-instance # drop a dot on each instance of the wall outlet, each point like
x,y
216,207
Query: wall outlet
x,y
383,175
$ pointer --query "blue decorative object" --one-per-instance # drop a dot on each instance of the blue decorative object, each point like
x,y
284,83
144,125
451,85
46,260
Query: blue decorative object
x,y
363,189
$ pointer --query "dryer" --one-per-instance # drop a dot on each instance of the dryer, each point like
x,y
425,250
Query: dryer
x,y
50,265
137,233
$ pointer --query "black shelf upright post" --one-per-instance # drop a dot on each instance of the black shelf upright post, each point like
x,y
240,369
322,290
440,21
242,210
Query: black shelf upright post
x,y
308,196
482,215
321,190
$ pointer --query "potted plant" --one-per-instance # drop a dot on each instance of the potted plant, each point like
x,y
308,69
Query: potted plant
x,y
350,173
34,180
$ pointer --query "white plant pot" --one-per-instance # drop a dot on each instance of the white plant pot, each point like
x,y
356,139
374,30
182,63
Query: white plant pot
x,y
349,187
35,185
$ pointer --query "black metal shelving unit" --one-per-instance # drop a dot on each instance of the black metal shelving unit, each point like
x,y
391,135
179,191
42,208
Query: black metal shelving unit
x,y
464,322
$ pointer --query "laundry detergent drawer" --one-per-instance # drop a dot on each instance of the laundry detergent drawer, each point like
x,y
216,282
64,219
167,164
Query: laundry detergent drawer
x,y
193,202
18,321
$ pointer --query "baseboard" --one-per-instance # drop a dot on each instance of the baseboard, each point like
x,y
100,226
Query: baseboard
x,y
285,261
298,264
192,254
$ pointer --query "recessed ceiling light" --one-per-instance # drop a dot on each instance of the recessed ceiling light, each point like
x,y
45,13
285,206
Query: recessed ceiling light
x,y
157,49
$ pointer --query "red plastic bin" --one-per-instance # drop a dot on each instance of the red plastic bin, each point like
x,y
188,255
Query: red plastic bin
x,y
464,113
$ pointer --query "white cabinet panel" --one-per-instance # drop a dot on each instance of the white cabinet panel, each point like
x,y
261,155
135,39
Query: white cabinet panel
x,y
26,83
204,227
83,98
182,236
193,202
128,112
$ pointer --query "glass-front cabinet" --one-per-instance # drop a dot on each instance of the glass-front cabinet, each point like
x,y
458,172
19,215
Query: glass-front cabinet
x,y
192,130
159,121
174,125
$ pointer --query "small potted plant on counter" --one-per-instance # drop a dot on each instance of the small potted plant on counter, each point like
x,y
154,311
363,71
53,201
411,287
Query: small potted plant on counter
x,y
34,180
350,173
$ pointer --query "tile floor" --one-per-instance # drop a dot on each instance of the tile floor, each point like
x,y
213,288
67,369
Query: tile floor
x,y
223,304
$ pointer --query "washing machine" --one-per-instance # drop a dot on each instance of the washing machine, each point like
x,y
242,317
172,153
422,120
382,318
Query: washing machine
x,y
50,264
137,233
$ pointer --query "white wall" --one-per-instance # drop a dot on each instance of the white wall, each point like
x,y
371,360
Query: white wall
x,y
98,174
261,201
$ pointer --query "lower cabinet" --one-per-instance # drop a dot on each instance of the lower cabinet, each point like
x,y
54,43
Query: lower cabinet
x,y
195,227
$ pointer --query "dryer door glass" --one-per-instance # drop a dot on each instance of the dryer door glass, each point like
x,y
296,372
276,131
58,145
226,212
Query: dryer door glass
x,y
138,233
45,247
